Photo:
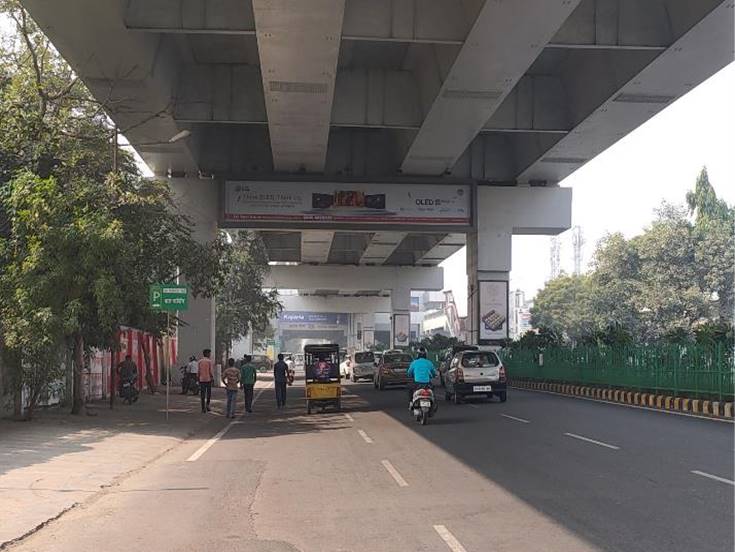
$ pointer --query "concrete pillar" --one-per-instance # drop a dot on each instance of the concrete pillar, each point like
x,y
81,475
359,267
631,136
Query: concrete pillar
x,y
198,199
368,330
488,270
400,301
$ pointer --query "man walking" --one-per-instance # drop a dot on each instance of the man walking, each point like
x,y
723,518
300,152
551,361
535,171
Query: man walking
x,y
280,376
231,378
190,375
206,376
128,374
247,380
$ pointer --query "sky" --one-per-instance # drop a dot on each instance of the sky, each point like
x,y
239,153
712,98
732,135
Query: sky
x,y
620,189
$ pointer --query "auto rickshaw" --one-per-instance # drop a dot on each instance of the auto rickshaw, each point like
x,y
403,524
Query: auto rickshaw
x,y
322,377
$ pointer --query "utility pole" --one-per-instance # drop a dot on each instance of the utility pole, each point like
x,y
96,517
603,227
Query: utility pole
x,y
555,257
577,243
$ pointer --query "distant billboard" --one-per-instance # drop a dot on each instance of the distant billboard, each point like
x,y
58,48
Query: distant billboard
x,y
493,314
312,320
320,203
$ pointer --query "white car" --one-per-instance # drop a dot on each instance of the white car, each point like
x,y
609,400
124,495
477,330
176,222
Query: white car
x,y
359,365
473,373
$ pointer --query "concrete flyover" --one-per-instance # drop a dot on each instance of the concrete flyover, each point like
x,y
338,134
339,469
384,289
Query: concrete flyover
x,y
384,133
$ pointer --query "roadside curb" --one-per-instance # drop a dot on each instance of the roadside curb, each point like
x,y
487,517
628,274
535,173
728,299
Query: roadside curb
x,y
705,408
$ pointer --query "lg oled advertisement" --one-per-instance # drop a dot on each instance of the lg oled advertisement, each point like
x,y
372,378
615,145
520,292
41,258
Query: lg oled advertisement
x,y
362,203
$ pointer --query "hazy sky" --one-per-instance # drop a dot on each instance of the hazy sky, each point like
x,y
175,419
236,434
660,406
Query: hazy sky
x,y
619,190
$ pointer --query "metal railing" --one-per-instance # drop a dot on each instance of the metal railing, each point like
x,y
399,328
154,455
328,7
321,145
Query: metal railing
x,y
695,371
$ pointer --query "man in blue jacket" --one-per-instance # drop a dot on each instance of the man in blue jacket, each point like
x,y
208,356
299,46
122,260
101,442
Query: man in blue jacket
x,y
422,371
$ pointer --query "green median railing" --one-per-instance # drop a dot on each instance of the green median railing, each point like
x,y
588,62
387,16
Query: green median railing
x,y
696,371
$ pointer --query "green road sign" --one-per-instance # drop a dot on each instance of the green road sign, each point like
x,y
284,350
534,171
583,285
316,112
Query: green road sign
x,y
169,297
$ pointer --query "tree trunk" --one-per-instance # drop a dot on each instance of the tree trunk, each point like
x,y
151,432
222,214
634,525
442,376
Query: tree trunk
x,y
147,359
77,398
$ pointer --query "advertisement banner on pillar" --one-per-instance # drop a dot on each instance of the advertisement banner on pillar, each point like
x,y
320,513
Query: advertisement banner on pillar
x,y
368,338
401,330
323,203
493,314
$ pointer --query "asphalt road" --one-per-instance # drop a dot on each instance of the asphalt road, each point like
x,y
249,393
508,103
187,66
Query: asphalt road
x,y
539,472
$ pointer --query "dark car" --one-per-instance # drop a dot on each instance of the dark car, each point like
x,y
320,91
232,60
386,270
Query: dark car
x,y
446,358
392,369
262,363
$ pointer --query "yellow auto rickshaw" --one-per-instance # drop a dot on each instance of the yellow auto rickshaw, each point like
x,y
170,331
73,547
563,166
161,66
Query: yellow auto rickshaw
x,y
322,377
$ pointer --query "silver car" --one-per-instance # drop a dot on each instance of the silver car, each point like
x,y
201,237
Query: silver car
x,y
360,365
475,373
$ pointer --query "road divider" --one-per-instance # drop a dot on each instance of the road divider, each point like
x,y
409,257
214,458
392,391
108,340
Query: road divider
x,y
714,477
516,419
700,408
593,441
394,473
451,541
365,437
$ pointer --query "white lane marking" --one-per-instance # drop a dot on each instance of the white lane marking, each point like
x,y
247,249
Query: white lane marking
x,y
600,443
715,477
516,419
365,436
206,446
349,417
473,406
394,472
452,542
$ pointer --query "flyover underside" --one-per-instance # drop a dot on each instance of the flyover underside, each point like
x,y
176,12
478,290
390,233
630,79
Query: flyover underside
x,y
494,91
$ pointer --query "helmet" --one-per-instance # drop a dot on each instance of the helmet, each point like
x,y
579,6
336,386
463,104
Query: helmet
x,y
422,353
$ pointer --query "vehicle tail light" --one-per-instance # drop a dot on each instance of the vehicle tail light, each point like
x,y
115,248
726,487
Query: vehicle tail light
x,y
502,373
459,375
425,393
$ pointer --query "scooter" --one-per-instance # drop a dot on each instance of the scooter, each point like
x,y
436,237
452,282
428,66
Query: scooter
x,y
189,382
423,404
128,391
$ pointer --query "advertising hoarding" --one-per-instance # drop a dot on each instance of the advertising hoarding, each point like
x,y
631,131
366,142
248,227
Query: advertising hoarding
x,y
493,312
401,330
320,203
312,320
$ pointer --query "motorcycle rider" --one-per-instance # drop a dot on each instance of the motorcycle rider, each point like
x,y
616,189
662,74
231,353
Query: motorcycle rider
x,y
422,371
128,372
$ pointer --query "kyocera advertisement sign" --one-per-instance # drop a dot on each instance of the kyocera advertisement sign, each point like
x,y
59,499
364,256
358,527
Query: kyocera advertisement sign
x,y
362,203
312,320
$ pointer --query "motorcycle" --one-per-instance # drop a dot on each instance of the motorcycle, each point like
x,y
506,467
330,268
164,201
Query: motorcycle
x,y
128,391
423,404
189,382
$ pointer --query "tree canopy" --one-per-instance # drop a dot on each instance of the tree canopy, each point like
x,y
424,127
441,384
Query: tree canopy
x,y
673,282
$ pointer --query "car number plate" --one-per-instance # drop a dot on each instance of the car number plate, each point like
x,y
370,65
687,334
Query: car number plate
x,y
426,404
482,388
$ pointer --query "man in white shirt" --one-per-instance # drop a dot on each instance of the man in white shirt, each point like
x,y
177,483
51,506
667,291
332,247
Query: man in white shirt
x,y
191,375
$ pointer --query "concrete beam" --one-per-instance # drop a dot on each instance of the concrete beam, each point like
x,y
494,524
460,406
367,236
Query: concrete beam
x,y
315,245
335,303
381,246
613,107
444,249
364,98
524,210
511,34
298,44
355,277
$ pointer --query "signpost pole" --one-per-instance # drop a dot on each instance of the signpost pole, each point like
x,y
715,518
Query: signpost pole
x,y
168,366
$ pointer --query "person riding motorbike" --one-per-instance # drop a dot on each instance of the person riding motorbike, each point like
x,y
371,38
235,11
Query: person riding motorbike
x,y
422,371
128,372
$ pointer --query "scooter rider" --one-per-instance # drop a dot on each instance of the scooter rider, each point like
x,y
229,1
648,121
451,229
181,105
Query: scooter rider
x,y
422,371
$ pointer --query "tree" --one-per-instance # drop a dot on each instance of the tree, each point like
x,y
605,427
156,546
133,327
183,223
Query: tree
x,y
76,240
564,307
242,305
